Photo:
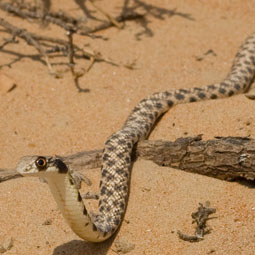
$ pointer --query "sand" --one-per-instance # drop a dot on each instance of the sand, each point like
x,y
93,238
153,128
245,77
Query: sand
x,y
48,116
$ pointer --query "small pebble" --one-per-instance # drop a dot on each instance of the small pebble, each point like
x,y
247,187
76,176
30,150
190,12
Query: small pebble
x,y
6,245
47,222
122,246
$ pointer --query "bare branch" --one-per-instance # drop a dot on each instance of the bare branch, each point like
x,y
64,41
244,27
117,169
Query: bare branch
x,y
227,158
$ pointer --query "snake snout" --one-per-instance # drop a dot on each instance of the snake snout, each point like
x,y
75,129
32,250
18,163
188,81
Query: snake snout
x,y
26,166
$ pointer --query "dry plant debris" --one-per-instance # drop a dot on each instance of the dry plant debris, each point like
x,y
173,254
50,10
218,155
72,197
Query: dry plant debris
x,y
39,12
200,217
47,46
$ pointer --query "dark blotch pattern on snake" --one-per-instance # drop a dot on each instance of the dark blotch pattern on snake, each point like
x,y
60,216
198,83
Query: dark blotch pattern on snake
x,y
118,147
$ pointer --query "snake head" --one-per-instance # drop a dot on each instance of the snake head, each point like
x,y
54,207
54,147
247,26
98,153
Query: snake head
x,y
41,166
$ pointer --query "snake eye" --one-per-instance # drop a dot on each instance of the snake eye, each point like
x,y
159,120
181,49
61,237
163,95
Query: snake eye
x,y
41,163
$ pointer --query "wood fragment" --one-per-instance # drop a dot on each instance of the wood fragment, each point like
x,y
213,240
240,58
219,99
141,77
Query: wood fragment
x,y
200,217
14,86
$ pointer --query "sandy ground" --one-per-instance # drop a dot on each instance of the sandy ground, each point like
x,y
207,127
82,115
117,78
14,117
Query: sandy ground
x,y
44,115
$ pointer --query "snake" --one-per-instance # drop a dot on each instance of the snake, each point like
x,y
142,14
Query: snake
x,y
116,158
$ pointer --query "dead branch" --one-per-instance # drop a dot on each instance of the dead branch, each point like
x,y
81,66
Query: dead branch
x,y
227,158
41,43
46,45
31,37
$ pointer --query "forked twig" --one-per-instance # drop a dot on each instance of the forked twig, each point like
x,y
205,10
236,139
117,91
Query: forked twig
x,y
76,75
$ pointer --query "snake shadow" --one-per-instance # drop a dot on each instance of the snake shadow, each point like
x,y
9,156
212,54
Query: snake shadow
x,y
79,247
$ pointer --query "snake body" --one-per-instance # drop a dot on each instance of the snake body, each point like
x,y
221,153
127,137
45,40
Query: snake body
x,y
115,169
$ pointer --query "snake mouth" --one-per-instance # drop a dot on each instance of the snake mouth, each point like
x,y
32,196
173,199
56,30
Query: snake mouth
x,y
28,171
37,173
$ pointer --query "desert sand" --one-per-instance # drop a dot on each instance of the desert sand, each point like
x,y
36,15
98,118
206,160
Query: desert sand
x,y
48,116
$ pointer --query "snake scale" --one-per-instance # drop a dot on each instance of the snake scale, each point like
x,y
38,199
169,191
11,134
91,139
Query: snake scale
x,y
115,169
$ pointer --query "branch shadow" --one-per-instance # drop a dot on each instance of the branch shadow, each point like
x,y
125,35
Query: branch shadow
x,y
80,247
135,6
19,56
86,11
244,182
153,11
